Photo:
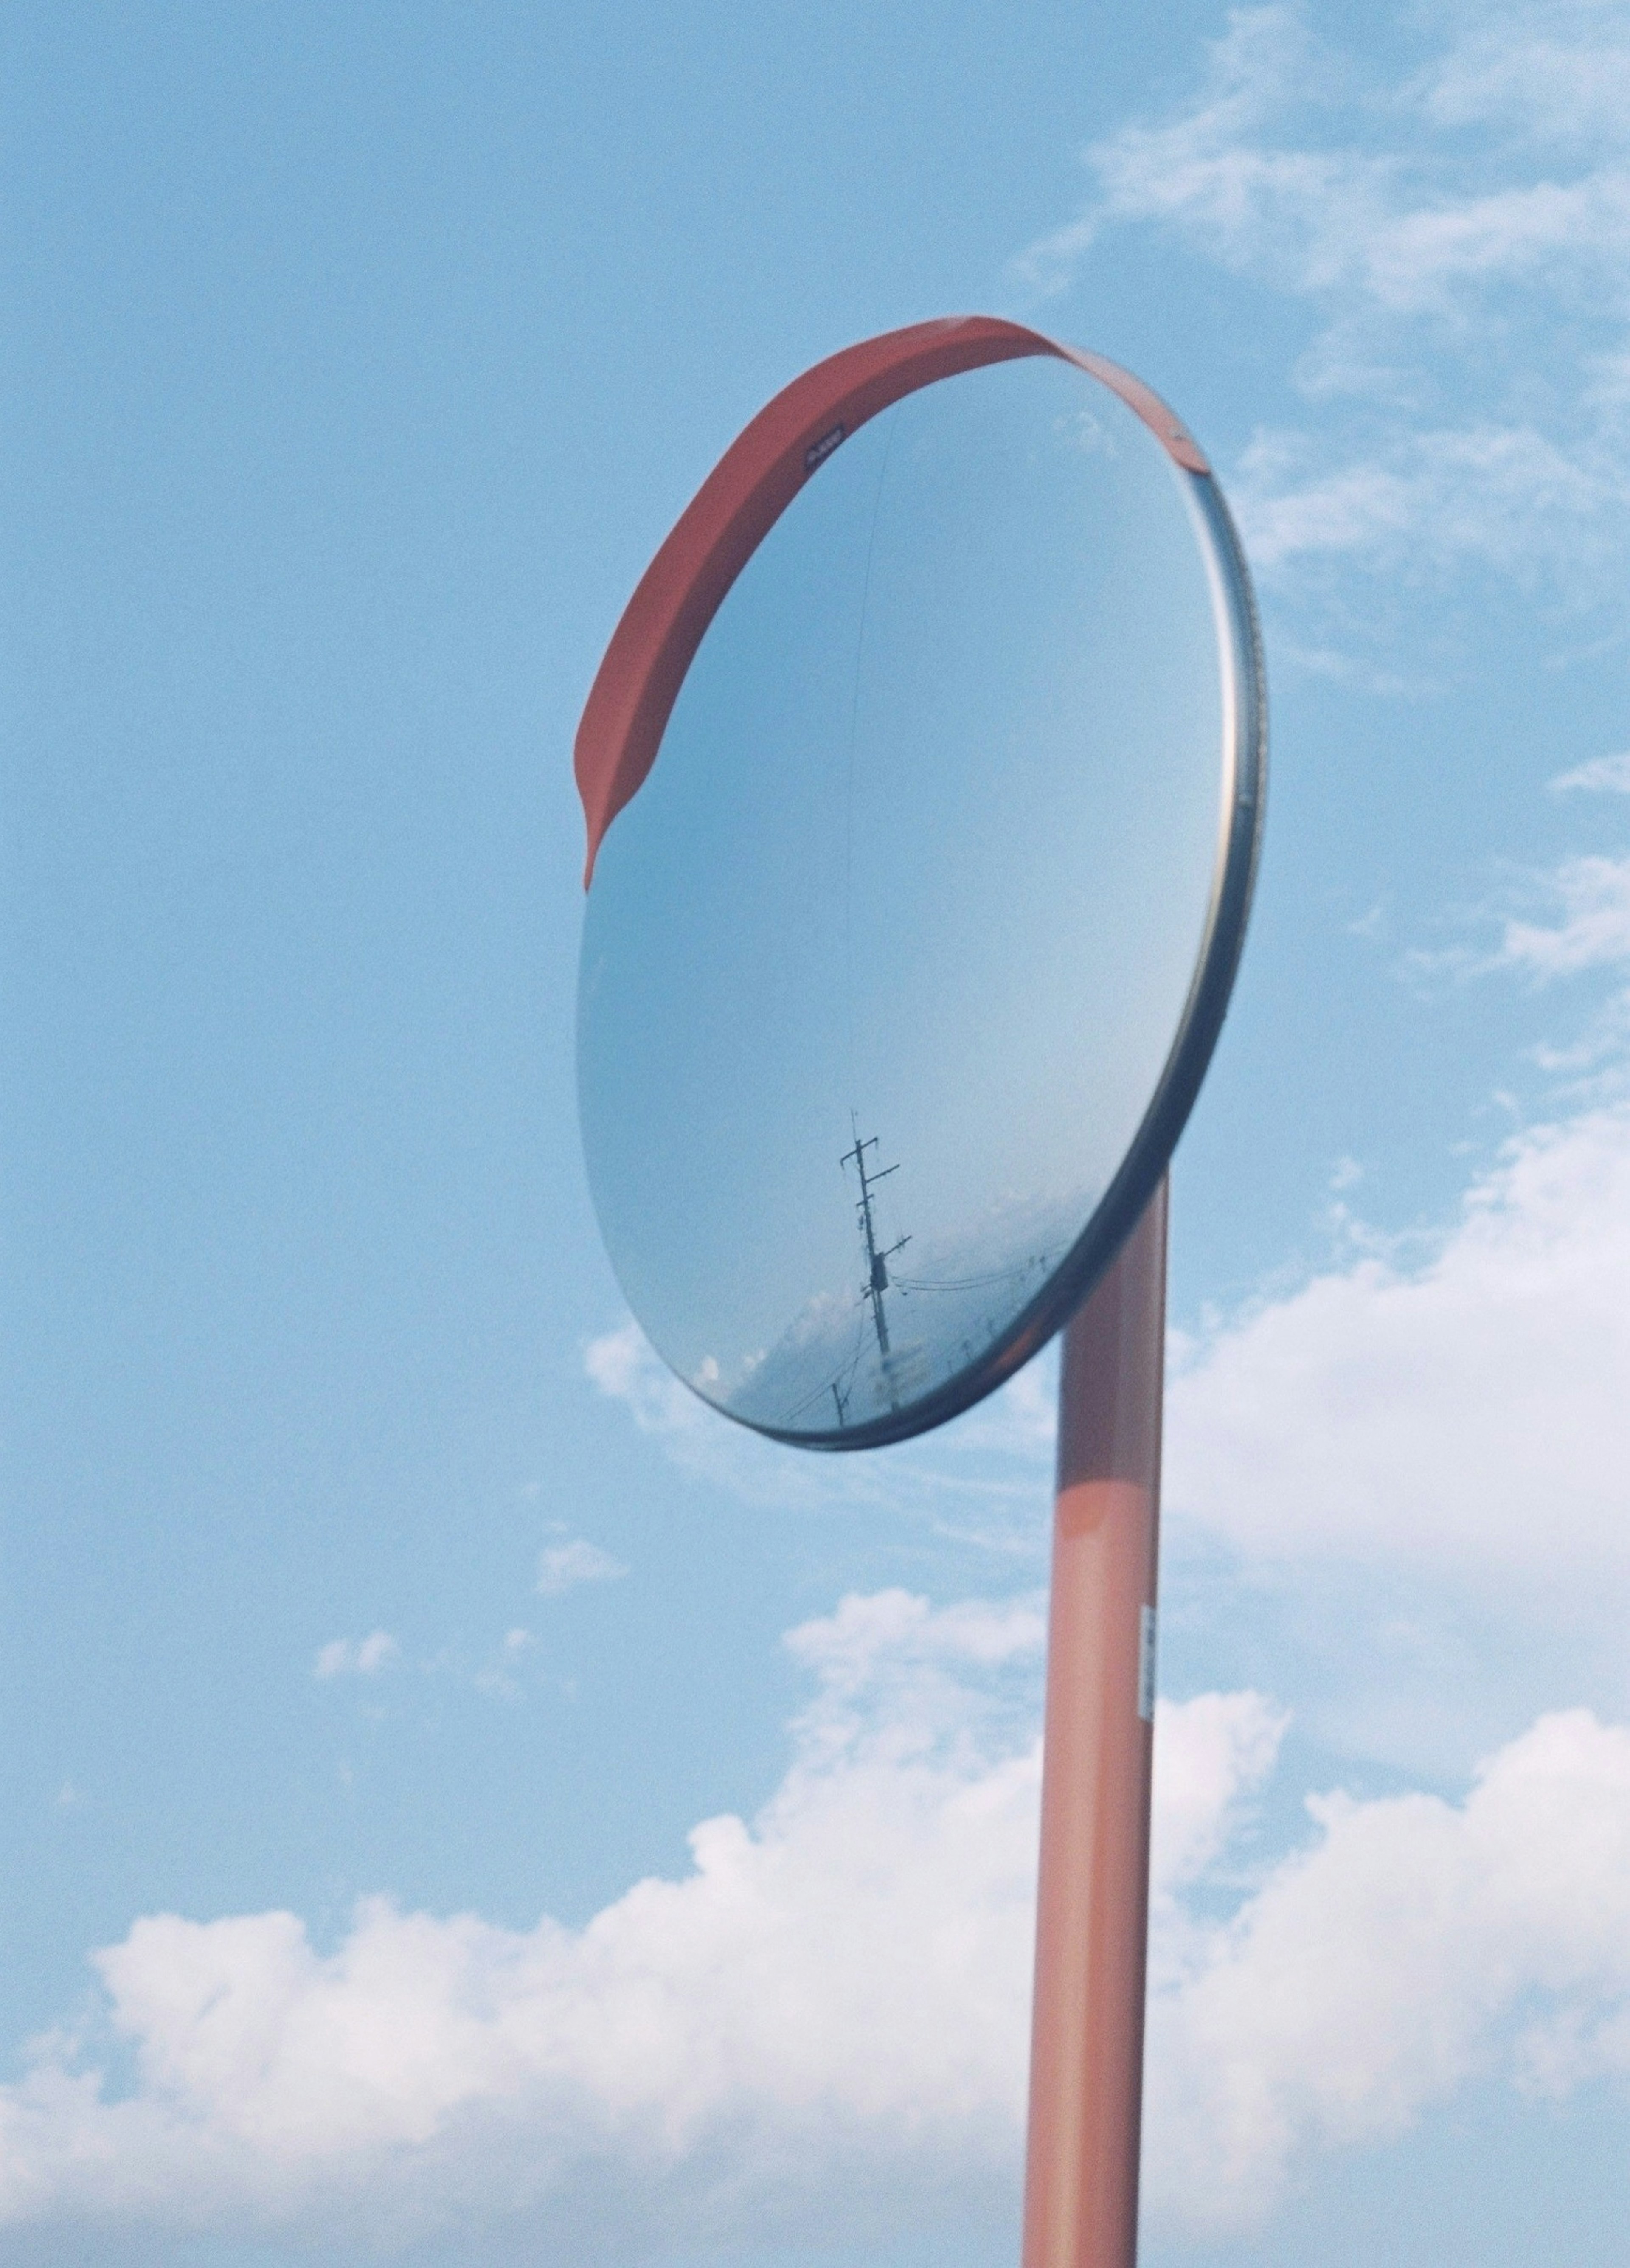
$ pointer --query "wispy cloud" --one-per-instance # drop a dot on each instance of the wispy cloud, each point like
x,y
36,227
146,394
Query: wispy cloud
x,y
1459,235
1290,165
562,1567
1563,921
345,1657
1505,497
496,1676
1602,776
976,1482
1552,71
1591,927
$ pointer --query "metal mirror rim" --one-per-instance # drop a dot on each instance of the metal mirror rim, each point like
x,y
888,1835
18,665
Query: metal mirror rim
x,y
666,620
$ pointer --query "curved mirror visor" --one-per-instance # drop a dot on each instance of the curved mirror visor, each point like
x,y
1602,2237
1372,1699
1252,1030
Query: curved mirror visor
x,y
883,964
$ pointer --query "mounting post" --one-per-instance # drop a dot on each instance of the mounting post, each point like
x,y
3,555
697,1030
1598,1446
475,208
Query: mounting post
x,y
1081,2195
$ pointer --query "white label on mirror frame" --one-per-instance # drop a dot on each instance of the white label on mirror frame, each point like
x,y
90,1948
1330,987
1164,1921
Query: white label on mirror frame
x,y
1146,1664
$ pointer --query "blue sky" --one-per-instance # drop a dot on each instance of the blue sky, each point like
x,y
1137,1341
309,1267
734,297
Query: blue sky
x,y
380,1622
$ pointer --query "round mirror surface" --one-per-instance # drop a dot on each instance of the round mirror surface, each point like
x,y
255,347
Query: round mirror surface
x,y
901,969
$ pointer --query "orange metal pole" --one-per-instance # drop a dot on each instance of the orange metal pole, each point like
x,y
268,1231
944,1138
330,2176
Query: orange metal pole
x,y
1080,2194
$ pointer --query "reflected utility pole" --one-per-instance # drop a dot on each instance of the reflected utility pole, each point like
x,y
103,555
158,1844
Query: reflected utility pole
x,y
876,1262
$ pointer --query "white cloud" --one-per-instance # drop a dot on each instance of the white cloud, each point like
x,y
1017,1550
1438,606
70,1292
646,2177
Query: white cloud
x,y
344,1657
562,1566
1503,495
1213,1753
1566,921
1592,895
1603,775
1286,165
839,1987
621,1364
1414,1945
1460,237
1404,1478
1205,168
624,1366
1467,1412
496,1677
823,2023
1555,71
973,1482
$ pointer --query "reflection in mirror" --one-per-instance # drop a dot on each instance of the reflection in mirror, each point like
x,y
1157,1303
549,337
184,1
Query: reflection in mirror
x,y
883,965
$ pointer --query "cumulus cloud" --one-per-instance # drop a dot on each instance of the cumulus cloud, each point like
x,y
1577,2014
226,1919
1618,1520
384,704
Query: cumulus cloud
x,y
827,2013
1453,1403
1414,1945
1405,1474
1465,1411
834,1994
345,1657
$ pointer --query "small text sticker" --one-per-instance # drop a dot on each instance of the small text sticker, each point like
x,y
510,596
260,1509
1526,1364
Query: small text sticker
x,y
818,451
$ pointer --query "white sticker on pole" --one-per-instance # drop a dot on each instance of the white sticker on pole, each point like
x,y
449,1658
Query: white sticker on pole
x,y
1146,1664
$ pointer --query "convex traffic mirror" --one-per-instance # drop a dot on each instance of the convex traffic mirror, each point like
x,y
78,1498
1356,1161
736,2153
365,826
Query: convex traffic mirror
x,y
924,781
